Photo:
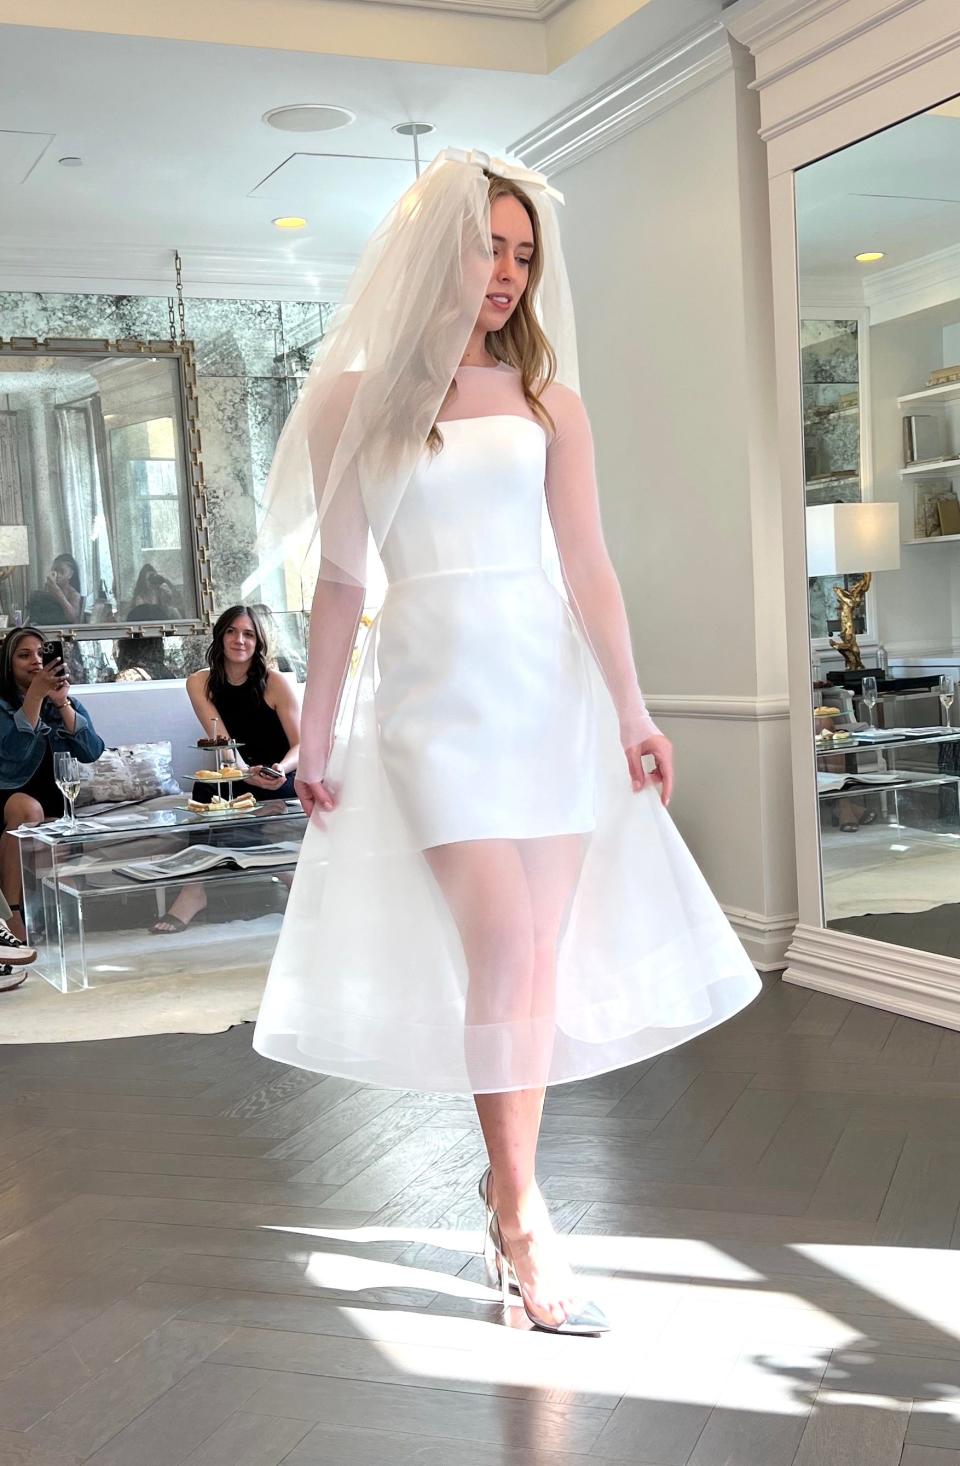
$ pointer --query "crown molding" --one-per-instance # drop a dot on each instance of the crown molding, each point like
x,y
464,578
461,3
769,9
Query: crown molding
x,y
760,24
796,45
628,101
902,66
840,292
138,270
900,290
782,23
931,280
502,9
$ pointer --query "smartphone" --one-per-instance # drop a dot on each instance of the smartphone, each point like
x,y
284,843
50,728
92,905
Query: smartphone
x,y
273,773
51,652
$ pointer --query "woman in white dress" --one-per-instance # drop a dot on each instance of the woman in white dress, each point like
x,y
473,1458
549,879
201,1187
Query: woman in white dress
x,y
491,897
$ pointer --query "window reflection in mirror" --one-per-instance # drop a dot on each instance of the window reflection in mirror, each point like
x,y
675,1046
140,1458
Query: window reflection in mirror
x,y
92,464
878,228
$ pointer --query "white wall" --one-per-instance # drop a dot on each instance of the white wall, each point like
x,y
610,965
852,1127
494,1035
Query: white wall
x,y
667,240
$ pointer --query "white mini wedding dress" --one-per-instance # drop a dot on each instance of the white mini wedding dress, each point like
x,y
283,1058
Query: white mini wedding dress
x,y
491,906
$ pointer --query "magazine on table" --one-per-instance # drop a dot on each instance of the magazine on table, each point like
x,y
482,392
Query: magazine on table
x,y
934,731
829,783
195,859
879,735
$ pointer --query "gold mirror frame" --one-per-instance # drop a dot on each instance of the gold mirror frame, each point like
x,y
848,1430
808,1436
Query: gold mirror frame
x,y
184,353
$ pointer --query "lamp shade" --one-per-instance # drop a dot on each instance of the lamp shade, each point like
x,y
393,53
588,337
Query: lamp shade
x,y
14,549
842,538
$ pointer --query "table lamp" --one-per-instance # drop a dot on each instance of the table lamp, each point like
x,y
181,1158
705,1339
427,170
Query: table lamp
x,y
843,539
14,548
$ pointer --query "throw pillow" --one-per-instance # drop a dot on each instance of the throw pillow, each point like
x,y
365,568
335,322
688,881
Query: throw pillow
x,y
137,771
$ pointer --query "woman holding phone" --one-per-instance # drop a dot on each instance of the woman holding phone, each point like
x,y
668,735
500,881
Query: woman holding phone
x,y
38,718
239,696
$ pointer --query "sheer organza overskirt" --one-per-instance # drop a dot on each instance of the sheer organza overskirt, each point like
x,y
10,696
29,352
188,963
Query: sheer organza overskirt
x,y
371,979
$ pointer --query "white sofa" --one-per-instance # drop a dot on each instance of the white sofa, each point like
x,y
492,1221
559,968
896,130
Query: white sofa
x,y
147,712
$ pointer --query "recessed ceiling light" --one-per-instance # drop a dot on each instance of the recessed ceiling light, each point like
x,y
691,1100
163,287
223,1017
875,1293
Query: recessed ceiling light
x,y
289,221
309,117
414,129
869,257
70,162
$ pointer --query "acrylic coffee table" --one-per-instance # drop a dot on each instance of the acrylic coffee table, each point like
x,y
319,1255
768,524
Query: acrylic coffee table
x,y
89,917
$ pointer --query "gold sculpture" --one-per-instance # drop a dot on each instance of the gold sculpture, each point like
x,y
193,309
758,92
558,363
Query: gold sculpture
x,y
850,602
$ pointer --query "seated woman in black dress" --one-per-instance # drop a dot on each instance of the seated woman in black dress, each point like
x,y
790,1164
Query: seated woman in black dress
x,y
240,696
38,718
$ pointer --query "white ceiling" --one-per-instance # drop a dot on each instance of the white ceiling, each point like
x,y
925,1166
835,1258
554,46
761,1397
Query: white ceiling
x,y
175,152
898,192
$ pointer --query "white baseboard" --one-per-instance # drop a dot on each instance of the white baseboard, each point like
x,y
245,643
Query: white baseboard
x,y
917,984
766,938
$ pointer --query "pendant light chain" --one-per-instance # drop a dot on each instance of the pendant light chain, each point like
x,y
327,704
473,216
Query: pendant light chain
x,y
176,315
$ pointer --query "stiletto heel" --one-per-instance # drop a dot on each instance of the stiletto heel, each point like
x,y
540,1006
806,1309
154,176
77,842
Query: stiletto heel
x,y
508,1297
493,1256
588,1320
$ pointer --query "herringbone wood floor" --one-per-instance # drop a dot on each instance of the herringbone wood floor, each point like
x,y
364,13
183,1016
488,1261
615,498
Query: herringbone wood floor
x,y
210,1259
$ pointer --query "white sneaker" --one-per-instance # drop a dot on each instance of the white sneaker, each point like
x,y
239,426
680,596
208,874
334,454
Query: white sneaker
x,y
13,952
9,979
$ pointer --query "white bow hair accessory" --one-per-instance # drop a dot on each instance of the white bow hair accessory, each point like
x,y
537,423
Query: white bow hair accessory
x,y
526,177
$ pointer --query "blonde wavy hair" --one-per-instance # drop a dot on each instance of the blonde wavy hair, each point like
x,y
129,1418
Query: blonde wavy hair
x,y
520,343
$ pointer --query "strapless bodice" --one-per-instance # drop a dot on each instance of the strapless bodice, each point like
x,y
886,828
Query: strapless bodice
x,y
475,505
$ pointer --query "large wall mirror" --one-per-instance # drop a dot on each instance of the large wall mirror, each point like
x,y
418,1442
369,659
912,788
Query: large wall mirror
x,y
879,264
102,516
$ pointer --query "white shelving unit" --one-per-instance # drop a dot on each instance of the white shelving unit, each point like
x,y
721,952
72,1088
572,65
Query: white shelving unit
x,y
949,392
931,467
946,396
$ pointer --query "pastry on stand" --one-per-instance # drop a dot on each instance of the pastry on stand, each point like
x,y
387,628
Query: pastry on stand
x,y
223,774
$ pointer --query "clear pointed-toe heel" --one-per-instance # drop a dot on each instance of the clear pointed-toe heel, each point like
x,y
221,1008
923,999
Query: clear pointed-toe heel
x,y
494,1259
587,1320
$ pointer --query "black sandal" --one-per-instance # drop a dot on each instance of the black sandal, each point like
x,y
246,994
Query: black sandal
x,y
869,817
165,926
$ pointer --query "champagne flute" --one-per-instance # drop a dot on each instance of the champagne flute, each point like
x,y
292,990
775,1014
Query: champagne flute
x,y
946,690
868,688
66,772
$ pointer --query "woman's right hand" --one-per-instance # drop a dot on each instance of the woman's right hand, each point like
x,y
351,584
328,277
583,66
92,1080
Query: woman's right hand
x,y
316,797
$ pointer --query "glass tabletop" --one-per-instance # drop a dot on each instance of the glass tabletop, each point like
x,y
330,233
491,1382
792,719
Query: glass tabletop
x,y
132,820
895,738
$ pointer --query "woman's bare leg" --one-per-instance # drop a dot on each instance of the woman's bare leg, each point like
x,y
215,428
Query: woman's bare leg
x,y
20,809
510,901
190,899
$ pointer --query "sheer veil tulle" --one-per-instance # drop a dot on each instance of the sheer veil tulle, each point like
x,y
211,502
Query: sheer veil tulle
x,y
349,447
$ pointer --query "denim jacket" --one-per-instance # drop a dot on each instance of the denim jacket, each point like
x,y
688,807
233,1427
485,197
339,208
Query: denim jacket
x,y
21,746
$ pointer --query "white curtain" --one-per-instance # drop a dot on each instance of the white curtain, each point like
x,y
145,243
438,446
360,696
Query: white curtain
x,y
81,507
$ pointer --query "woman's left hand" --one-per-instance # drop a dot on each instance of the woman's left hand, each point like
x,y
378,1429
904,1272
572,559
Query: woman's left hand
x,y
661,750
61,688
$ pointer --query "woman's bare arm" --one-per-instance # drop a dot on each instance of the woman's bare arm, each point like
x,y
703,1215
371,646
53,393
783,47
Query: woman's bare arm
x,y
588,572
282,698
